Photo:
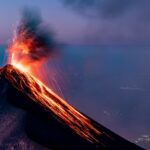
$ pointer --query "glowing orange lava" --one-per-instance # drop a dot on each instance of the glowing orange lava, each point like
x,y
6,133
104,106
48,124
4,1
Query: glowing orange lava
x,y
18,53
43,95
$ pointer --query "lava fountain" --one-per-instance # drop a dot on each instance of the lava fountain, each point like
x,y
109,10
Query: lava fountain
x,y
32,44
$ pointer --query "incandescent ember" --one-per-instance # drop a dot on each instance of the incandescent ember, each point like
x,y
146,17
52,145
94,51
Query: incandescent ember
x,y
50,101
32,43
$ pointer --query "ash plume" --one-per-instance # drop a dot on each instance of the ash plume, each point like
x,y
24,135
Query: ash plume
x,y
33,40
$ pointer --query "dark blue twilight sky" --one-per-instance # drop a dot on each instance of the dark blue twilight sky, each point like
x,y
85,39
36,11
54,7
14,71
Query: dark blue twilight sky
x,y
68,26
84,21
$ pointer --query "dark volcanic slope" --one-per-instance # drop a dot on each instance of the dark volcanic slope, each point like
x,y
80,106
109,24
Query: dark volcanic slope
x,y
13,135
27,118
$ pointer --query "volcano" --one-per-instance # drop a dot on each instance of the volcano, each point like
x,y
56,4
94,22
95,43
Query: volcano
x,y
34,117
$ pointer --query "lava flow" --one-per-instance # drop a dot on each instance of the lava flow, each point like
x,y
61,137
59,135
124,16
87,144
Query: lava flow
x,y
30,46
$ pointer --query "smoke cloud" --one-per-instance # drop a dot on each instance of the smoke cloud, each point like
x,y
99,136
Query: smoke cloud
x,y
103,8
115,20
33,40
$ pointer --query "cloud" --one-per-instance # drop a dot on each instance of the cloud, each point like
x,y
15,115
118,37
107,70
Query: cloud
x,y
115,20
131,88
103,8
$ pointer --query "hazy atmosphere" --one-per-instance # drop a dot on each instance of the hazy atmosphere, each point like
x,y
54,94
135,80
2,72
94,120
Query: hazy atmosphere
x,y
102,64
80,21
